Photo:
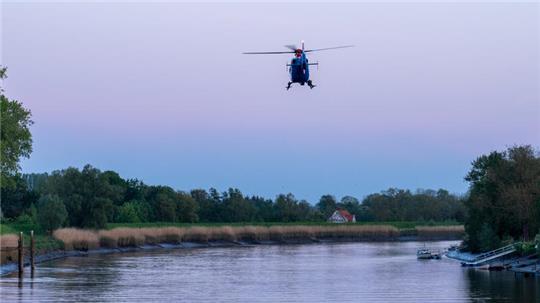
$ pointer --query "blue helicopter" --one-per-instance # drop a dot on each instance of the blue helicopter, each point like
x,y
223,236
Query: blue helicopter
x,y
299,66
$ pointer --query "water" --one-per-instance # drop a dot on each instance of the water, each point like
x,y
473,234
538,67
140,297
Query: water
x,y
352,272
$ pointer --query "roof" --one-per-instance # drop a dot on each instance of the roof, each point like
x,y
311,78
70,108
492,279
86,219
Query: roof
x,y
345,214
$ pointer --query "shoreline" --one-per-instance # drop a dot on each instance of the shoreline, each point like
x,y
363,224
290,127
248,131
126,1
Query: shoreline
x,y
10,268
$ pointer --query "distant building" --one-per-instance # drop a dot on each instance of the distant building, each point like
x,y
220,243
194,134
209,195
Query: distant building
x,y
342,216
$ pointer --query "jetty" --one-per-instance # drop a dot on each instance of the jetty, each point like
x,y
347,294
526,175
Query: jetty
x,y
486,257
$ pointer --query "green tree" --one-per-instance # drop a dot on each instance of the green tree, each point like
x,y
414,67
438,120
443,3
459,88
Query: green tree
x,y
351,204
327,205
504,194
163,202
51,212
236,207
487,238
286,208
186,208
128,213
15,136
17,198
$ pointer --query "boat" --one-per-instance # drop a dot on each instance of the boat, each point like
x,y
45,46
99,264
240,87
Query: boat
x,y
423,253
426,253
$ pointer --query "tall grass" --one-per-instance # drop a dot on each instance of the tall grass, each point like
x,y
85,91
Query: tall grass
x,y
130,237
9,241
8,248
79,239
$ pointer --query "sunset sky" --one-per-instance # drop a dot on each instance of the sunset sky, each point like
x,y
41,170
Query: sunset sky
x,y
161,92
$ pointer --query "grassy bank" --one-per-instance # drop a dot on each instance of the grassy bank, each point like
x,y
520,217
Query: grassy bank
x,y
129,237
9,236
132,235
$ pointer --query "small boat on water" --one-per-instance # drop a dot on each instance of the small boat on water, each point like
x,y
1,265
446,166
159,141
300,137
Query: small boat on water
x,y
426,253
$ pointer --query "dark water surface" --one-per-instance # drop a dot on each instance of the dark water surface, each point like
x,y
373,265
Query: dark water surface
x,y
352,272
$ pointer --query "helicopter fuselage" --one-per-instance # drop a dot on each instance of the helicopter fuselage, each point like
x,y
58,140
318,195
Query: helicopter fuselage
x,y
299,69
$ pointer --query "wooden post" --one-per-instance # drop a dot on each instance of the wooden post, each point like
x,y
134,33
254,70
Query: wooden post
x,y
32,251
21,255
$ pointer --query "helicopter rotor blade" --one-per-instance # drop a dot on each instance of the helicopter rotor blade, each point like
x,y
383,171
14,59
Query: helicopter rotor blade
x,y
291,47
327,48
267,53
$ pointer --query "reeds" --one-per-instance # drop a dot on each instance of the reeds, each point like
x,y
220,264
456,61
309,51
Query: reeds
x,y
131,237
9,241
78,239
8,248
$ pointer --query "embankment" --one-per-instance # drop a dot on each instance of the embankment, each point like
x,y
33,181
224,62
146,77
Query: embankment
x,y
79,241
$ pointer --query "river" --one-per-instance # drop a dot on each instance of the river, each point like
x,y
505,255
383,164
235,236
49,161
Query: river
x,y
348,272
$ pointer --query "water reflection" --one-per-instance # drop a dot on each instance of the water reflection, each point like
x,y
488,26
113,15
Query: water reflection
x,y
502,286
353,272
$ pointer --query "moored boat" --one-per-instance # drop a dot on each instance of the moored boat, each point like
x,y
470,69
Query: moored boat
x,y
426,253
423,253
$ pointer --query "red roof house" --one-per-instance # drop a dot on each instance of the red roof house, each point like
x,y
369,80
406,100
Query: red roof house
x,y
342,216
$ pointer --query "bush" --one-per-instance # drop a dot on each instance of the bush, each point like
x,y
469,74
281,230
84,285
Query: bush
x,y
488,239
24,219
526,249
52,212
128,213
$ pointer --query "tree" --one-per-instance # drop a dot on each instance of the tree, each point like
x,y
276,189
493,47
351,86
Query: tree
x,y
128,213
186,208
327,205
236,208
286,208
351,204
96,212
487,238
17,198
15,136
504,195
210,205
51,212
163,202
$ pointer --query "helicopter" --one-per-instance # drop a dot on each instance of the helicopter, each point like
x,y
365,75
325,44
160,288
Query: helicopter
x,y
299,66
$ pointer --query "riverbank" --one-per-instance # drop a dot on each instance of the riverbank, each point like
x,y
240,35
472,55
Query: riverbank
x,y
78,242
519,264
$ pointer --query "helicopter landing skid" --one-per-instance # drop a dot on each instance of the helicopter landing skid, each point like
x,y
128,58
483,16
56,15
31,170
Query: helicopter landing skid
x,y
309,83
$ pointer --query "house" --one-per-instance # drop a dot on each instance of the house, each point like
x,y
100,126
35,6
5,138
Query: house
x,y
342,216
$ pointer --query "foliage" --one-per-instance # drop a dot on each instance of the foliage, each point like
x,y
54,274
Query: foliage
x,y
94,198
526,248
504,194
17,198
403,205
488,239
327,205
129,213
51,212
15,136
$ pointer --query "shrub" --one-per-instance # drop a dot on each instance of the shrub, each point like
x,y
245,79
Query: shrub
x,y
128,213
52,212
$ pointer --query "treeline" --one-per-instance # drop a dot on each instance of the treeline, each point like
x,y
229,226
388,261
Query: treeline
x,y
504,198
91,198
